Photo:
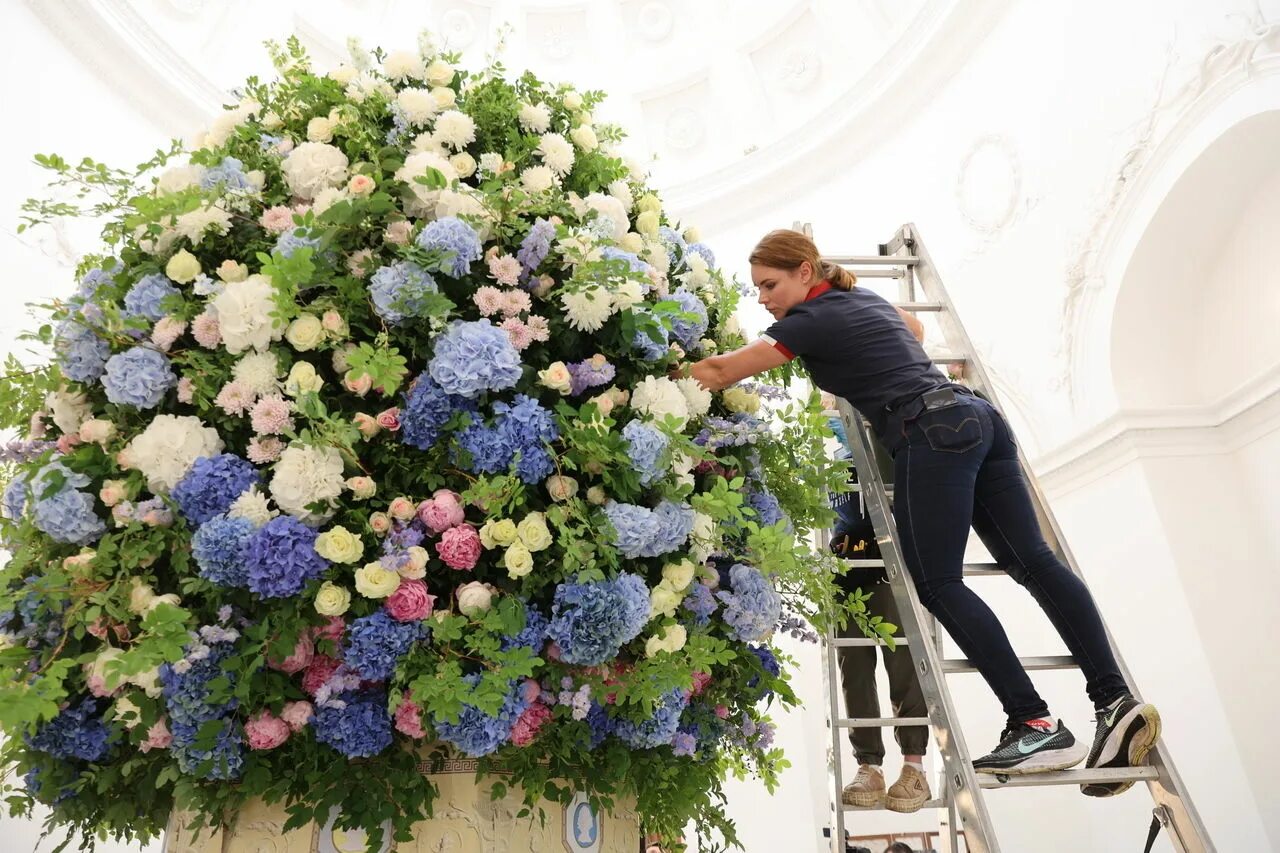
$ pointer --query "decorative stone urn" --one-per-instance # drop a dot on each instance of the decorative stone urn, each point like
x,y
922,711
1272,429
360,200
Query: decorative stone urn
x,y
465,820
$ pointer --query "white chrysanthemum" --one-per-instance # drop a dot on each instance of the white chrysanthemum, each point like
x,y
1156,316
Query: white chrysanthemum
x,y
588,309
344,74
657,397
655,255
68,409
607,207
556,152
367,84
626,293
258,372
196,223
313,166
621,190
254,506
165,451
426,143
535,118
402,65
417,105
305,475
455,129
467,202
244,311
179,178
422,200
584,136
537,179
696,397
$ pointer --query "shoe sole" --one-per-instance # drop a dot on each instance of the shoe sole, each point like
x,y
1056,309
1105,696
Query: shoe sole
x,y
1044,762
1140,742
863,801
906,805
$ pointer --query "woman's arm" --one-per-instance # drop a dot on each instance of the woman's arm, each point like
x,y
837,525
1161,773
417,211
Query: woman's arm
x,y
720,371
913,324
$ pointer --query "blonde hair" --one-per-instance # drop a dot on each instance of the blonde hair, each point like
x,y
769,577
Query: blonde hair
x,y
785,249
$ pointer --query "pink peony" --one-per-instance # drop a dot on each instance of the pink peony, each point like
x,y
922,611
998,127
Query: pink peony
x,y
297,715
441,513
526,728
266,731
410,602
390,419
206,330
303,652
333,629
277,220
321,670
459,547
409,718
158,736
270,415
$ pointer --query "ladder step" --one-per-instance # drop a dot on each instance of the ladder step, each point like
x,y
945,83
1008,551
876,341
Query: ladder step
x,y
949,359
936,803
888,272
971,570
880,722
1068,777
920,306
873,260
1049,662
863,642
857,487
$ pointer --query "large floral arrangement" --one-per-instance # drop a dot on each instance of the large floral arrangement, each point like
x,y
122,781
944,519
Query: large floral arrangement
x,y
360,446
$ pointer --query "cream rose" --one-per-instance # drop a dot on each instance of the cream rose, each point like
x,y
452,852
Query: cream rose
x,y
475,598
680,574
302,379
518,560
556,377
672,639
375,581
332,600
498,533
305,333
533,532
182,267
339,545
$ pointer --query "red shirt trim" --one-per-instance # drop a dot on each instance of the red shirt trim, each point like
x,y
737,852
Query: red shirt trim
x,y
818,289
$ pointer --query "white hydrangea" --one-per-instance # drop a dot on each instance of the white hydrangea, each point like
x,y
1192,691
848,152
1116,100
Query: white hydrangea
x,y
244,311
258,372
584,136
537,179
535,118
313,166
402,65
696,397
490,162
621,190
587,310
556,152
227,122
467,202
327,198
68,409
196,223
657,397
422,199
178,178
254,506
306,475
417,105
455,129
165,451
610,208
699,274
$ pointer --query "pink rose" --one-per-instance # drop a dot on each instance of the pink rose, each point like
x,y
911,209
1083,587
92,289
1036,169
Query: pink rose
x,y
266,731
722,712
367,424
410,602
459,547
332,629
700,682
530,690
526,728
390,419
158,736
398,232
409,718
297,715
303,651
321,670
441,512
359,385
98,628
66,442
379,522
402,509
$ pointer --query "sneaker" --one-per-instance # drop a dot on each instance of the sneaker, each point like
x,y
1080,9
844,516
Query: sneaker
x,y
909,793
1126,733
1031,749
866,790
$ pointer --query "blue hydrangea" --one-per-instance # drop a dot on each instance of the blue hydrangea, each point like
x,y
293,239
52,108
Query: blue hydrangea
x,y
293,240
222,759
82,354
751,606
600,724
212,486
529,427
644,344
535,246
674,241
54,477
768,511
491,451
701,602
138,377
375,644
591,621
145,297
476,733
768,661
674,524
282,557
427,408
634,527
92,280
228,174
35,781
656,730
703,251
646,445
534,634
688,332
458,241
612,253
700,721
186,685
358,725
219,547
399,291
68,517
474,356
77,732
15,497
590,373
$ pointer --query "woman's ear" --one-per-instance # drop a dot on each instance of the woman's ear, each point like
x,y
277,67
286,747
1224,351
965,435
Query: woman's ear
x,y
806,273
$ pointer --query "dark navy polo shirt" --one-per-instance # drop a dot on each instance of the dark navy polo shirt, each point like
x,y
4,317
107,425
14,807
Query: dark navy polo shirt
x,y
855,345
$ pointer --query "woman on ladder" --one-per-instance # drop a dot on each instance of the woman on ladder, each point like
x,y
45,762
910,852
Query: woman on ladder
x,y
955,466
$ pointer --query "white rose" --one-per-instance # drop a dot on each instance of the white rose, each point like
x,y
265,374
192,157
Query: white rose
x,y
657,397
68,409
518,561
672,639
320,129
182,267
464,164
165,451
305,333
475,598
244,309
127,712
97,431
680,574
439,73
561,488
373,580
584,136
704,538
556,377
305,475
572,101
313,166
302,379
444,97
664,599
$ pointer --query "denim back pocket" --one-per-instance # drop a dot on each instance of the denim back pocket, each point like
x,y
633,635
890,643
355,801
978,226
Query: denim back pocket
x,y
955,429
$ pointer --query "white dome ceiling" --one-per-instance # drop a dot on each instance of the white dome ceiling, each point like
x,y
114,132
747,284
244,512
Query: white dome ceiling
x,y
720,92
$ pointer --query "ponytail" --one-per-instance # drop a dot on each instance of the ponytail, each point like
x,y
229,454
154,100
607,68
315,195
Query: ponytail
x,y
840,278
786,250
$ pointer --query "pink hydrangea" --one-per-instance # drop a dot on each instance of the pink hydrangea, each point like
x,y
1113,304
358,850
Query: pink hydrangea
x,y
515,302
442,511
520,335
299,659
270,415
319,672
297,714
264,451
409,718
505,269
410,602
459,547
278,219
489,300
235,398
526,728
158,736
186,390
206,330
266,731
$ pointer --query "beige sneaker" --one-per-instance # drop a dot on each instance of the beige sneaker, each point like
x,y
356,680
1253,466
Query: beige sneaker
x,y
909,793
866,789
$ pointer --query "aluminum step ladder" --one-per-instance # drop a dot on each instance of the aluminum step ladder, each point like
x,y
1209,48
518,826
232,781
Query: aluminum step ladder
x,y
960,791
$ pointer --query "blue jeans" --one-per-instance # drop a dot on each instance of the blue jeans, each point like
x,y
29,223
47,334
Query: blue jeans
x,y
958,466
